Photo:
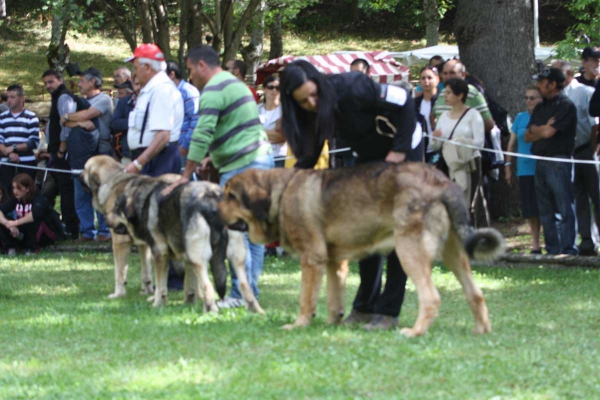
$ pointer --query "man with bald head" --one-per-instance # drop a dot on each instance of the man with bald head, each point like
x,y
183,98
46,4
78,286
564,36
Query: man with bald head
x,y
475,99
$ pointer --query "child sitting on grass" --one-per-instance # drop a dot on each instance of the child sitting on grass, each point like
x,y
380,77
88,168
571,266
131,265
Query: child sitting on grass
x,y
26,219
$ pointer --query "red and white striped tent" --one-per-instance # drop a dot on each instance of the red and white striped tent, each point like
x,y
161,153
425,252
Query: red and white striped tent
x,y
384,68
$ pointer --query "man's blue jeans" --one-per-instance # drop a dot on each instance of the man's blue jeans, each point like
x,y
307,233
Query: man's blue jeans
x,y
554,191
255,253
85,213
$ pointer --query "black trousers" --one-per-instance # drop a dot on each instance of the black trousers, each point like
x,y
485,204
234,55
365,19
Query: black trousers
x,y
369,298
586,189
7,173
29,241
63,185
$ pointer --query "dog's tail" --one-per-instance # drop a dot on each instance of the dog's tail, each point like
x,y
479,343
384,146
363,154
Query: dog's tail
x,y
484,244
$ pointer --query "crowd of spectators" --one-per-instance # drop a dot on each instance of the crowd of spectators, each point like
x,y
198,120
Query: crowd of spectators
x,y
159,123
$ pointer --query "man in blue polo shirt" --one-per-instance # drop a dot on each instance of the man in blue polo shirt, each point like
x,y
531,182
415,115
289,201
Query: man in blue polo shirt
x,y
552,130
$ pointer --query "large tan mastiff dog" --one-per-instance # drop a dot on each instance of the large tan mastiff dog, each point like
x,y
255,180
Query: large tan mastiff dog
x,y
331,216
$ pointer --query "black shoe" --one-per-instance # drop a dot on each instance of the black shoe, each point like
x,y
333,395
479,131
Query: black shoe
x,y
357,317
381,322
588,252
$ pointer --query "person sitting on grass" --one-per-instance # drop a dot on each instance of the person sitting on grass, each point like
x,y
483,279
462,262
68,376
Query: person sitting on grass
x,y
35,223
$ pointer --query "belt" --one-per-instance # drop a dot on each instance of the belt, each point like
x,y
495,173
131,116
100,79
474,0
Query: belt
x,y
136,153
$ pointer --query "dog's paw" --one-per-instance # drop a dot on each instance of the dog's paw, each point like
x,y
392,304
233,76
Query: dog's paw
x,y
255,308
213,308
300,323
410,332
150,299
191,298
159,302
481,329
116,295
146,291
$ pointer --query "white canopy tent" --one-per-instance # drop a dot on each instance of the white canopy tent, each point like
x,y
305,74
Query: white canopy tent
x,y
421,56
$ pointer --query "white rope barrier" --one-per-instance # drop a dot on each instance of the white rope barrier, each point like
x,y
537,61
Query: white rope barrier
x,y
346,149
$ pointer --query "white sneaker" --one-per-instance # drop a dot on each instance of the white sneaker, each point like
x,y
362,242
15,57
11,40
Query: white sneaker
x,y
12,252
231,302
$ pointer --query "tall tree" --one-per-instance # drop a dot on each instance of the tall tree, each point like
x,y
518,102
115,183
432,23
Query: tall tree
x,y
276,34
2,8
432,22
58,51
495,42
253,52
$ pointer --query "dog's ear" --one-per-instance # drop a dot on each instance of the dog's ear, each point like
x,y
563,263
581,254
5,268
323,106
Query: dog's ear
x,y
93,182
258,202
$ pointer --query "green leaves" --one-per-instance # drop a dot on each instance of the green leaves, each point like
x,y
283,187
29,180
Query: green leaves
x,y
587,12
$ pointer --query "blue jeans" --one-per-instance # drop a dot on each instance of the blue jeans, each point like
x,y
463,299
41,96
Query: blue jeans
x,y
554,191
85,213
255,253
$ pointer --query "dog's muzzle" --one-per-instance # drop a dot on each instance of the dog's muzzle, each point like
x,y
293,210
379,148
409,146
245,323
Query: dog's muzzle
x,y
238,225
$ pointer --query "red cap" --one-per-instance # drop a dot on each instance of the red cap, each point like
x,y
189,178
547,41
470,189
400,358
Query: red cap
x,y
147,50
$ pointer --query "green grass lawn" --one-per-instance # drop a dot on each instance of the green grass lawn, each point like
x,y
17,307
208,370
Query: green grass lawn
x,y
60,338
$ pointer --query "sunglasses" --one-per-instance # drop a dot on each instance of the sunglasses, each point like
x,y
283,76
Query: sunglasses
x,y
531,98
272,87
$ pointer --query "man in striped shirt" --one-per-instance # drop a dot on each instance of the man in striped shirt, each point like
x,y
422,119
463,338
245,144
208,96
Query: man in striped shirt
x,y
19,135
229,128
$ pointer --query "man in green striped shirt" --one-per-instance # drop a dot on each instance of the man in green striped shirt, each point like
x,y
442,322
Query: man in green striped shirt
x,y
230,130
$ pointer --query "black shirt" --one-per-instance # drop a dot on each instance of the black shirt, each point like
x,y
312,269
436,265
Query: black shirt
x,y
595,102
565,114
38,207
372,119
581,79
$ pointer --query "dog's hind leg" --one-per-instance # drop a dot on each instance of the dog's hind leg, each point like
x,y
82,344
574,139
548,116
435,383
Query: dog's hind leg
x,y
236,254
336,290
146,269
162,274
207,288
416,262
312,276
455,258
191,283
121,251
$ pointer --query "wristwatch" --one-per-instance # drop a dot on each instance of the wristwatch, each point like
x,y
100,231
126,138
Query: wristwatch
x,y
14,148
66,117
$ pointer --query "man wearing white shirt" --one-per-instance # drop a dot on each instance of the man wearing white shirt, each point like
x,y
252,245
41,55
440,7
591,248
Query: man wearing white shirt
x,y
155,122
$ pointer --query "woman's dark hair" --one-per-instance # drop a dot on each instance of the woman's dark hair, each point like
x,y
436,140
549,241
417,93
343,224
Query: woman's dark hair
x,y
306,131
269,79
458,87
4,194
429,68
27,182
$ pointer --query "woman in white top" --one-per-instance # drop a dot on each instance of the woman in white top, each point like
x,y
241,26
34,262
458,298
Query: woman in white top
x,y
464,125
429,81
270,113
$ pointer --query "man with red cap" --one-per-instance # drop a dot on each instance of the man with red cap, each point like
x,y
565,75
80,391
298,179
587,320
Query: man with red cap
x,y
155,122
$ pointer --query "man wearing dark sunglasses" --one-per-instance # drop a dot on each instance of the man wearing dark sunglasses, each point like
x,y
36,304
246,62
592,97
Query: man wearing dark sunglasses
x,y
552,130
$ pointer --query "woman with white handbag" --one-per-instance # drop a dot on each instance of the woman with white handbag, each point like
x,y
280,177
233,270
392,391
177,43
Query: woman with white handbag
x,y
463,125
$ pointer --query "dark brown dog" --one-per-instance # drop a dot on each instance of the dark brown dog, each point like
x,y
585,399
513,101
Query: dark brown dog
x,y
330,216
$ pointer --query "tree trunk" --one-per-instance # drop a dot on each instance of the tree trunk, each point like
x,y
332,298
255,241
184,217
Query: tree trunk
x,y
194,36
124,25
254,51
146,21
432,22
162,27
495,42
232,47
276,36
2,8
58,52
184,8
227,10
